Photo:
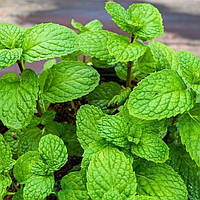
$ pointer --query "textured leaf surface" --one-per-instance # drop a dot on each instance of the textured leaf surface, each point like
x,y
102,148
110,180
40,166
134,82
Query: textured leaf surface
x,y
23,168
73,187
114,129
103,93
151,148
165,56
18,195
121,71
189,66
9,57
161,95
141,197
6,161
5,181
11,36
69,80
18,98
186,167
109,169
123,51
86,122
48,41
94,44
189,128
160,180
38,187
53,151
150,20
112,194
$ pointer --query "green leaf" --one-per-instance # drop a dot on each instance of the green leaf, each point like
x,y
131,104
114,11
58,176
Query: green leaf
x,y
9,57
6,161
148,18
189,128
23,168
5,181
186,167
11,36
114,129
48,117
159,180
48,64
18,195
160,95
73,187
77,25
141,197
48,41
100,64
109,169
38,187
124,51
53,151
165,56
121,17
18,98
97,49
68,80
29,140
86,123
112,194
151,148
94,25
103,93
189,66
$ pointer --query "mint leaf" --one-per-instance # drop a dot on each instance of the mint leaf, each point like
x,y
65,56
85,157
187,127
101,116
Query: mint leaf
x,y
77,25
48,64
112,194
94,25
161,95
114,129
48,117
182,163
11,36
159,180
9,57
121,17
189,128
23,168
6,161
68,80
97,49
189,66
109,169
141,197
86,122
53,151
73,187
18,195
148,18
19,96
103,93
151,148
100,64
124,51
5,181
38,187
165,56
48,41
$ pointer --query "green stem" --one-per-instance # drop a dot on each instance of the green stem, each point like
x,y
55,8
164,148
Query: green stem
x,y
39,109
10,193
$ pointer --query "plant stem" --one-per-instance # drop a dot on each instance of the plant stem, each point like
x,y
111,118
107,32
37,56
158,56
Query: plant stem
x,y
39,109
20,65
129,67
10,193
84,58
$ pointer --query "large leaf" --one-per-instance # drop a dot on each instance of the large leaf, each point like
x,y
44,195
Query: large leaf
x,y
5,181
161,95
6,161
149,19
189,128
86,122
186,167
38,187
124,51
68,80
48,41
189,66
109,169
159,180
18,98
9,57
94,44
11,36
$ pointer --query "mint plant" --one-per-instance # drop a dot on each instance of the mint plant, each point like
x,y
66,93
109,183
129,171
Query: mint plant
x,y
137,134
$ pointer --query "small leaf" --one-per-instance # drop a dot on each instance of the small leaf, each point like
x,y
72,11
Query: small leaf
x,y
94,25
48,41
53,151
5,181
38,187
68,80
160,95
109,169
